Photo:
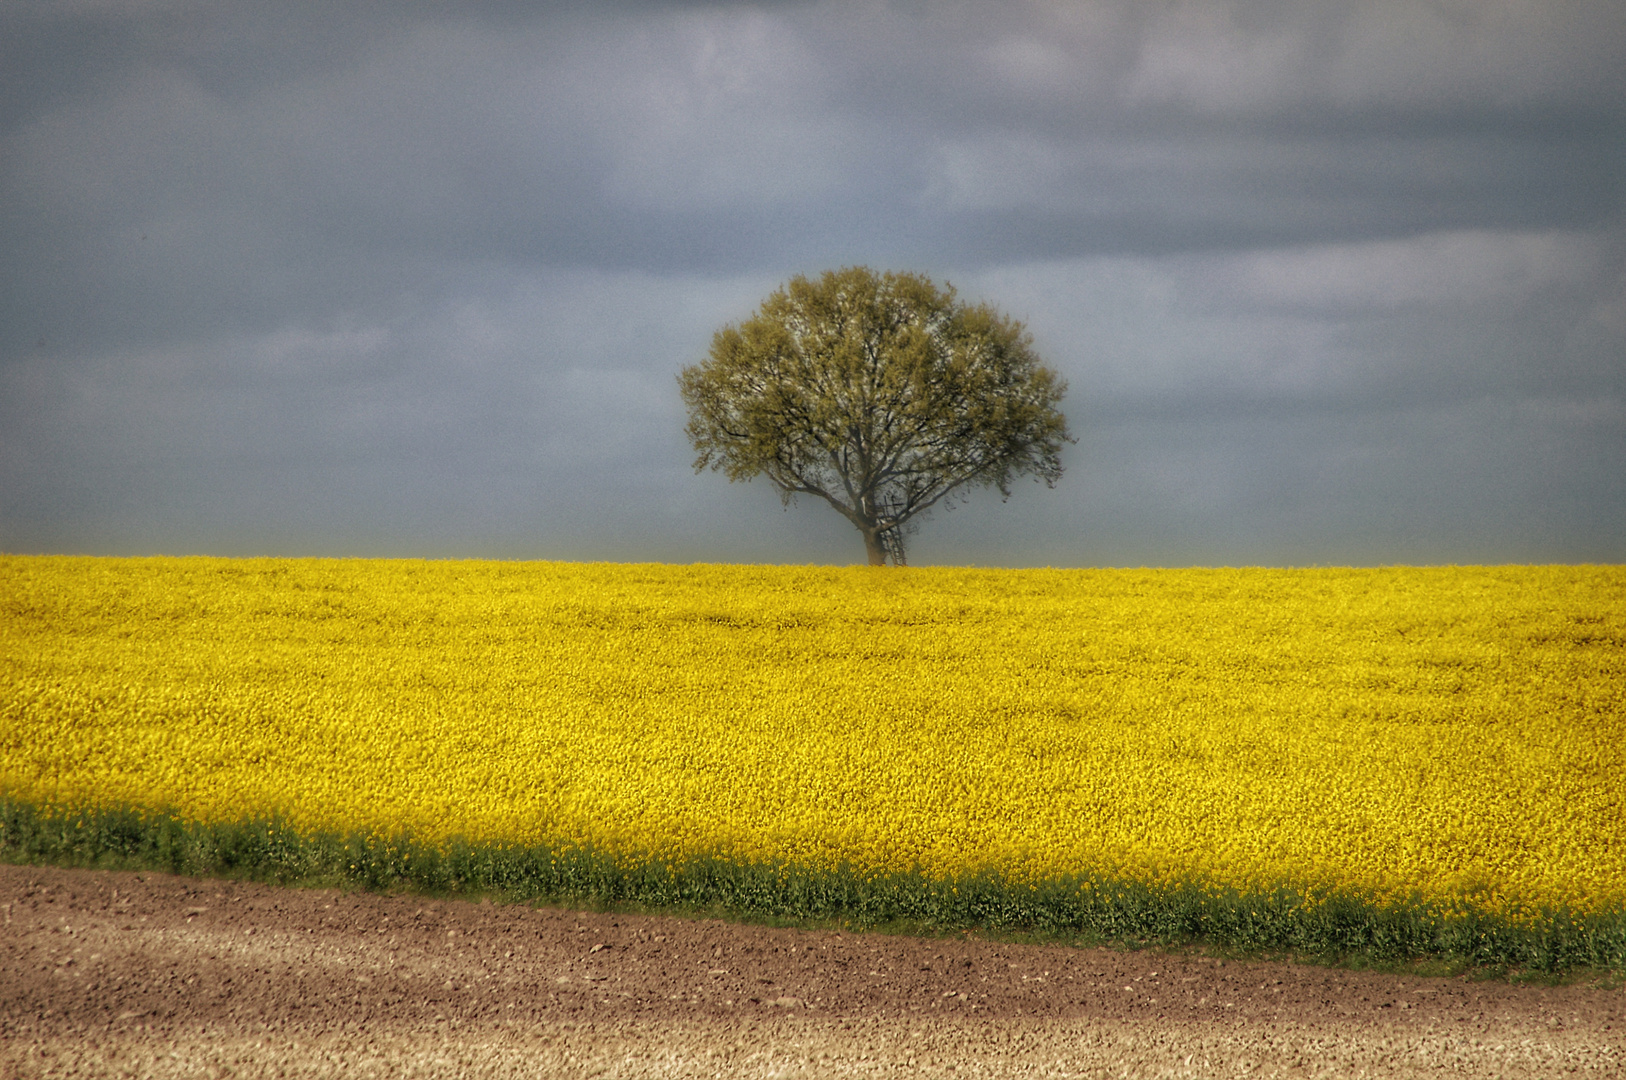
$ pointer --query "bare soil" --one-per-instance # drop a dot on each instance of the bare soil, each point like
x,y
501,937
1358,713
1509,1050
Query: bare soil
x,y
125,974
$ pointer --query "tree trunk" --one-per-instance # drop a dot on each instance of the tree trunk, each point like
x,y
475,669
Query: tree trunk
x,y
873,547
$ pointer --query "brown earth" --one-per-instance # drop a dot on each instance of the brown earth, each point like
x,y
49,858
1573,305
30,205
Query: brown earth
x,y
124,974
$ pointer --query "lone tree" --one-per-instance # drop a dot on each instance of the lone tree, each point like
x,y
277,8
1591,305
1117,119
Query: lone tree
x,y
878,394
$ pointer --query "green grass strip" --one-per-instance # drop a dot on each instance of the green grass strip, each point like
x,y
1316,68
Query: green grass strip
x,y
1339,928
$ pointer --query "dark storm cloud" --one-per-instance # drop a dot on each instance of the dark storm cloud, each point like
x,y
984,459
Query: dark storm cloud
x,y
1329,280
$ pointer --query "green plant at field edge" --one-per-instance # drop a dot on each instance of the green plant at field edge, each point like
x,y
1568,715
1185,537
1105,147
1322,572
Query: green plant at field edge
x,y
1338,928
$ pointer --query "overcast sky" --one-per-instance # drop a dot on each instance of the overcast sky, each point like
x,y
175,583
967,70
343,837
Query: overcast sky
x,y
1330,282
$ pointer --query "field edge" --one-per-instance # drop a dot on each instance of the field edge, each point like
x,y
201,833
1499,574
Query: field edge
x,y
1338,928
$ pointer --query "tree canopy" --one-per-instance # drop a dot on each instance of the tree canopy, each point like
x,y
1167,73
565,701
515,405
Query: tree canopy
x,y
880,394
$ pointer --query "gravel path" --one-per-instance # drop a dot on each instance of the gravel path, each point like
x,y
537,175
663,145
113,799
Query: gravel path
x,y
122,974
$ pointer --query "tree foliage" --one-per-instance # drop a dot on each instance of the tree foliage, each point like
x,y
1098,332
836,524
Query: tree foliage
x,y
880,394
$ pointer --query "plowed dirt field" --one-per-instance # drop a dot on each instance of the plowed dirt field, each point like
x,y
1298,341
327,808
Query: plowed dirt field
x,y
122,974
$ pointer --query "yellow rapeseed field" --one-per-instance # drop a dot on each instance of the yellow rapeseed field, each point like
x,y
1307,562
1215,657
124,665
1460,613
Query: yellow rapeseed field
x,y
1452,734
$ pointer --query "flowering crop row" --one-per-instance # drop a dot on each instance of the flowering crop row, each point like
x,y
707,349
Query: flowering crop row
x,y
1455,735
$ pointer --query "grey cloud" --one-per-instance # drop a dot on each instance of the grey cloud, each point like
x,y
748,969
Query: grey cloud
x,y
614,142
1332,334
1473,269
